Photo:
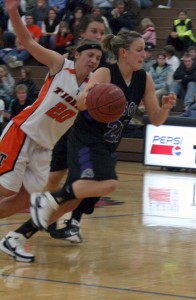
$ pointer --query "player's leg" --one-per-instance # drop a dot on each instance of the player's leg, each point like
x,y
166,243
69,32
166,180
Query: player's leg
x,y
34,177
72,232
102,181
58,165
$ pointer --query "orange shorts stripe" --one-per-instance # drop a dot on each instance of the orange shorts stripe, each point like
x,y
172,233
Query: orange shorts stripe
x,y
10,147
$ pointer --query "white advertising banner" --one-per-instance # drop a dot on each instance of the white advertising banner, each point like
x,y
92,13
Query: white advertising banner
x,y
169,200
170,146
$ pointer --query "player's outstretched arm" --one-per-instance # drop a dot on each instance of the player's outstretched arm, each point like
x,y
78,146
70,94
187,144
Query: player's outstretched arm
x,y
45,56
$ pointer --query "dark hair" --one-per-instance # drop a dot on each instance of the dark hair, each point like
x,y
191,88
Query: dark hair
x,y
161,54
191,48
87,19
170,49
27,71
123,39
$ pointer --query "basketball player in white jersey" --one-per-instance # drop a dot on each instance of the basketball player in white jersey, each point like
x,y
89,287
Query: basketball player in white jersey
x,y
27,141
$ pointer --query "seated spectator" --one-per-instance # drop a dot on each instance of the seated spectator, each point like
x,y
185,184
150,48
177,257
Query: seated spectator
x,y
106,6
134,9
18,55
120,18
182,35
171,58
20,101
85,5
190,112
25,78
184,85
49,28
162,76
192,51
2,109
149,32
97,12
9,36
30,4
6,85
74,24
149,60
39,12
64,38
59,6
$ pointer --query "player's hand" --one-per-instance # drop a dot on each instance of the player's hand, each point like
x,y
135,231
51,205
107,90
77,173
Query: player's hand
x,y
169,101
87,90
11,5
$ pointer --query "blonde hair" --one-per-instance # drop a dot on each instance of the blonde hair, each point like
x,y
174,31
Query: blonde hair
x,y
146,22
123,39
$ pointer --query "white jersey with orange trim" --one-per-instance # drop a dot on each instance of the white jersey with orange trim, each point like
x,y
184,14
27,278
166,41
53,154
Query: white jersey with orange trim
x,y
54,111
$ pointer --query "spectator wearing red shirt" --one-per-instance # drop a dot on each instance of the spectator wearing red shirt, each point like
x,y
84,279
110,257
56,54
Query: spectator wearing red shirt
x,y
64,38
17,56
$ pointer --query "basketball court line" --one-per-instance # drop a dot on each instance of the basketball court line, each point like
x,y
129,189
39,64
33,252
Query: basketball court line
x,y
88,285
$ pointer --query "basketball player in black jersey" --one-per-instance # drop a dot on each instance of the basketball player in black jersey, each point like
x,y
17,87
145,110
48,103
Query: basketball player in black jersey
x,y
128,48
90,143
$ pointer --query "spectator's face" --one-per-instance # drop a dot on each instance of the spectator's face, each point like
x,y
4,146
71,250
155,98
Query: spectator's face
x,y
161,60
97,12
23,73
192,53
182,16
120,8
78,14
21,96
41,3
95,30
29,20
51,14
188,62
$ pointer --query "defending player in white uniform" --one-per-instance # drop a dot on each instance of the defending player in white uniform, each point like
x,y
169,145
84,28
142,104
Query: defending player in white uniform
x,y
27,141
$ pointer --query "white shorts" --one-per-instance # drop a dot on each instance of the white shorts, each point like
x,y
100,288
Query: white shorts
x,y
24,162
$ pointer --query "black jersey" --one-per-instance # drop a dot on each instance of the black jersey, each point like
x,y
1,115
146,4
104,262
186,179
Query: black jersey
x,y
86,128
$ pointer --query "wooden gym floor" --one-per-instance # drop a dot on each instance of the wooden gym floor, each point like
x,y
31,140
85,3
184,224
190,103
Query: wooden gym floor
x,y
139,244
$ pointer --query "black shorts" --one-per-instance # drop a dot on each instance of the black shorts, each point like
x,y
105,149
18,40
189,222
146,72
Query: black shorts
x,y
90,160
59,154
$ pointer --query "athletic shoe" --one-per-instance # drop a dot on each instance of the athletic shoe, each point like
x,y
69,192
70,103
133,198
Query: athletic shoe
x,y
69,233
42,206
13,245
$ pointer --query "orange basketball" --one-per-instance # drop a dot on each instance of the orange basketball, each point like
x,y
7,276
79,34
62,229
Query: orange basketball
x,y
105,102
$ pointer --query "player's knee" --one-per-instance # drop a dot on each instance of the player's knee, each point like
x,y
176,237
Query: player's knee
x,y
111,186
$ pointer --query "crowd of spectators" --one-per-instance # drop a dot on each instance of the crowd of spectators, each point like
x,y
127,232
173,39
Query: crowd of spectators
x,y
58,25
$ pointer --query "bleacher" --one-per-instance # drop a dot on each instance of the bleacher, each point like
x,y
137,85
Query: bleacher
x,y
131,149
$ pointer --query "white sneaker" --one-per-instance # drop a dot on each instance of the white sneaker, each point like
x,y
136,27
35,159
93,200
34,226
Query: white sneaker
x,y
42,206
13,245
